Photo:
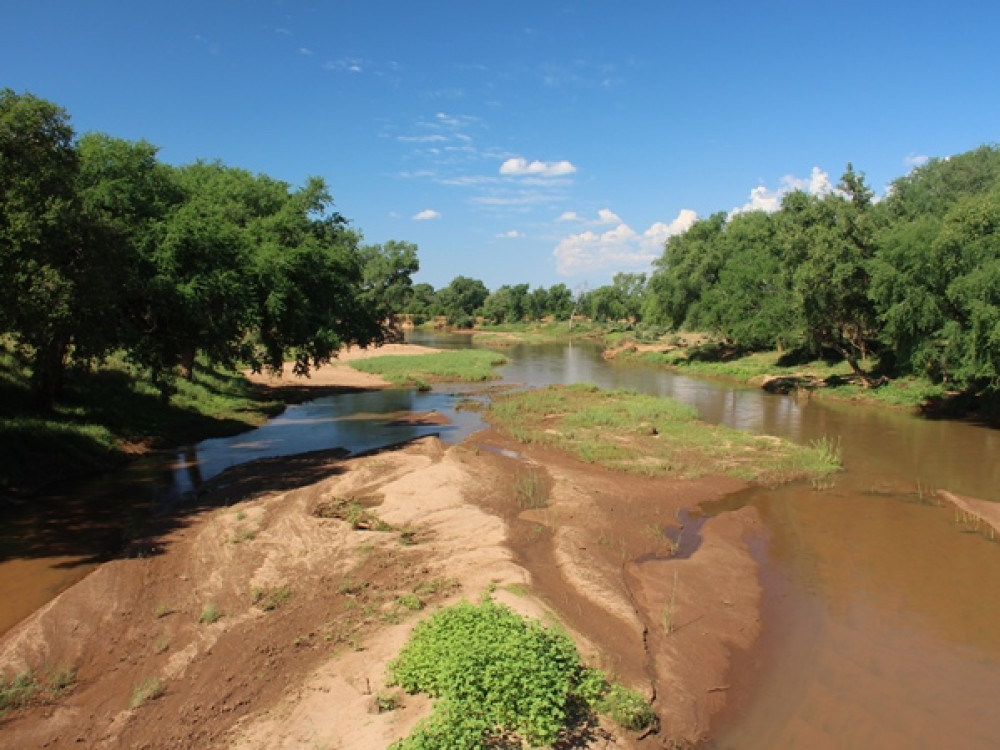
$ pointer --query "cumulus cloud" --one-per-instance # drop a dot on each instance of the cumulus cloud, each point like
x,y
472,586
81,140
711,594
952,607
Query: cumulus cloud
x,y
915,160
426,214
513,234
519,166
619,248
763,198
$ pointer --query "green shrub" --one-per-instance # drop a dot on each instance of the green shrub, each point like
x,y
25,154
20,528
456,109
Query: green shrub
x,y
494,673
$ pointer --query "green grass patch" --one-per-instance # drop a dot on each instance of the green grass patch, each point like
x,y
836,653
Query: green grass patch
x,y
463,365
148,690
822,378
653,436
498,678
24,688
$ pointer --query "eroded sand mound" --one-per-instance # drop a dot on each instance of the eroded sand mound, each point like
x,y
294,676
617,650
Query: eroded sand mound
x,y
266,618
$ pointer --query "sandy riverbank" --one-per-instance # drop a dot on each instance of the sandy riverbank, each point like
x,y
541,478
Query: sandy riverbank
x,y
310,611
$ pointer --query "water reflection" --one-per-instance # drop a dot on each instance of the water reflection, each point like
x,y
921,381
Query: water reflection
x,y
358,422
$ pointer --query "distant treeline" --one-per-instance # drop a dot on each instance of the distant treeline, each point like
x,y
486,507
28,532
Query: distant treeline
x,y
104,249
908,285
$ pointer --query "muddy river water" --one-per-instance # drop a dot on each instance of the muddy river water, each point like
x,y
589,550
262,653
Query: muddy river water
x,y
881,623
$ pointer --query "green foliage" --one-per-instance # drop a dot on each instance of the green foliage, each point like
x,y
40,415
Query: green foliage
x,y
18,691
648,435
148,690
627,708
903,287
467,365
492,671
210,614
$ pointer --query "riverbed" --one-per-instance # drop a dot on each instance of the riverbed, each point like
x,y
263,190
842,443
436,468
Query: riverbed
x,y
879,620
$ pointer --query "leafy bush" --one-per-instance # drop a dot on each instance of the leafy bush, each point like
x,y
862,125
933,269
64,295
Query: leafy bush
x,y
494,673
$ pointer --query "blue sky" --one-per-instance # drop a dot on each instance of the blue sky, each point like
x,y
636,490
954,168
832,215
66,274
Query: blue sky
x,y
524,142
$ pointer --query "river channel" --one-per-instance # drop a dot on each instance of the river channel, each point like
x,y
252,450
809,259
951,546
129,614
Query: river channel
x,y
881,612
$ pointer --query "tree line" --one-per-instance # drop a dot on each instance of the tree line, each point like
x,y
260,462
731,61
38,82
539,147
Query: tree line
x,y
104,248
909,284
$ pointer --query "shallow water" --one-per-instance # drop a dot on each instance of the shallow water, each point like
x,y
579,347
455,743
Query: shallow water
x,y
880,610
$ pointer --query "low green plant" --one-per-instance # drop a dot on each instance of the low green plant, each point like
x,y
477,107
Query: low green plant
x,y
492,671
466,365
652,436
18,691
530,490
162,610
148,690
627,708
60,680
271,601
210,613
411,602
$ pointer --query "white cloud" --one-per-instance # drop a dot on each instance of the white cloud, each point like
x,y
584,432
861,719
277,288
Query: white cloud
x,y
617,249
915,160
763,198
517,166
432,138
604,217
607,216
654,238
305,51
426,214
350,64
513,234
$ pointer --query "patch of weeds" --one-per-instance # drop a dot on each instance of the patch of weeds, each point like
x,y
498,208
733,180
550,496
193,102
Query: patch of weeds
x,y
162,610
347,587
411,602
60,680
408,536
241,515
437,585
18,691
387,700
148,690
627,708
210,613
517,589
161,645
531,491
243,535
354,512
275,599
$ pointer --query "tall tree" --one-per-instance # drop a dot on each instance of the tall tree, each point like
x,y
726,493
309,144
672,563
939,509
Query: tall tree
x,y
41,250
831,281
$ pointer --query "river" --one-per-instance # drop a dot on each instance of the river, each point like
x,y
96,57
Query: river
x,y
880,626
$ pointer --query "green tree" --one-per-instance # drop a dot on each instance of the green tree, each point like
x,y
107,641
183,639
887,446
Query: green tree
x,y
42,250
462,299
688,267
559,302
387,278
836,240
752,304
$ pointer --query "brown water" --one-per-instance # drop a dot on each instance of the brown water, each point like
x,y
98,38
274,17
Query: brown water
x,y
881,613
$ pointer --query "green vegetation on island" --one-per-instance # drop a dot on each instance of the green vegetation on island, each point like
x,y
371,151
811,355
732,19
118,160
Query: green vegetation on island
x,y
654,436
464,365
